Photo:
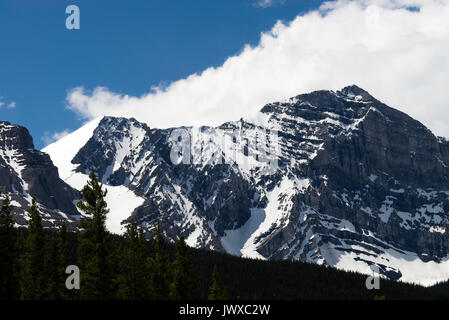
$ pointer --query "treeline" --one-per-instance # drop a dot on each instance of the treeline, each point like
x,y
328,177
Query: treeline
x,y
139,266
133,267
248,279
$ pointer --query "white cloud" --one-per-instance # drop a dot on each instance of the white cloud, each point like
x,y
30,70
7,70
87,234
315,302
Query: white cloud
x,y
267,3
398,55
48,138
10,105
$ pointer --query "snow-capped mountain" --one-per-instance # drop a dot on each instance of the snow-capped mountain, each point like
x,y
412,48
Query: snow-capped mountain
x,y
26,173
335,178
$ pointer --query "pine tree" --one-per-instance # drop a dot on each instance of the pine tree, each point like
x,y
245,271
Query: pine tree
x,y
57,258
33,277
160,268
214,290
64,260
182,287
9,286
225,294
53,278
134,275
95,249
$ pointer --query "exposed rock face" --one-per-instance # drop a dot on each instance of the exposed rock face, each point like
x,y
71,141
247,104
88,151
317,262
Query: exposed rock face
x,y
27,173
355,183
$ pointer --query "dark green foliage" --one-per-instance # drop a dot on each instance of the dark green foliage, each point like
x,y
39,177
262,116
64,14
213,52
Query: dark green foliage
x,y
215,292
33,282
57,257
155,269
225,294
64,260
95,249
247,279
135,273
160,266
9,286
292,280
183,284
52,275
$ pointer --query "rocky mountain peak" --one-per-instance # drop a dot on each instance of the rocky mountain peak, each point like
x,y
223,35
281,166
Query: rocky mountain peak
x,y
349,103
15,136
359,184
27,172
356,93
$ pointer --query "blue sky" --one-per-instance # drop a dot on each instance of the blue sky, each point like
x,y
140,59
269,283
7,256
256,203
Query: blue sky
x,y
126,46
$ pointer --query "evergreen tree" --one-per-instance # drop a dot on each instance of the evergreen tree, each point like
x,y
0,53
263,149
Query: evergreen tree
x,y
95,248
57,258
182,287
64,260
33,277
215,292
9,287
160,267
134,275
53,278
225,294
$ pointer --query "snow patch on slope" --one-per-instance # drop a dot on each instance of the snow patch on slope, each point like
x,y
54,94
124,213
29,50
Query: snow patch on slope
x,y
235,240
12,159
64,150
245,240
121,200
413,269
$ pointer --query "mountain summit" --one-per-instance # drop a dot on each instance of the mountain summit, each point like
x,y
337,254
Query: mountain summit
x,y
334,178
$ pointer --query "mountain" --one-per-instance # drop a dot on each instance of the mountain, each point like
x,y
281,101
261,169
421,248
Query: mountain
x,y
27,172
333,178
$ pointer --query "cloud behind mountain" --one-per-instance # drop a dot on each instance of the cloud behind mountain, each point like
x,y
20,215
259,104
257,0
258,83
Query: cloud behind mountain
x,y
396,49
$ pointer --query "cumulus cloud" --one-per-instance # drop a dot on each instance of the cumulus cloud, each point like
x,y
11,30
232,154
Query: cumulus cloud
x,y
48,138
395,49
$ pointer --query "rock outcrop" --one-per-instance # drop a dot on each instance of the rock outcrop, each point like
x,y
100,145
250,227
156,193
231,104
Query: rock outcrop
x,y
26,172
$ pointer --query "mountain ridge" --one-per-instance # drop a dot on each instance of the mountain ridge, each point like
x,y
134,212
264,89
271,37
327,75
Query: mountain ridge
x,y
350,183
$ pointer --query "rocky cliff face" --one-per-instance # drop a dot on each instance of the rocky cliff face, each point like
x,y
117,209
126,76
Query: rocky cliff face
x,y
27,173
379,187
335,178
